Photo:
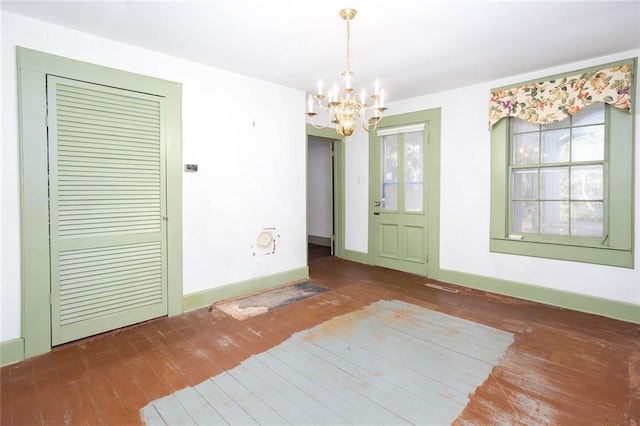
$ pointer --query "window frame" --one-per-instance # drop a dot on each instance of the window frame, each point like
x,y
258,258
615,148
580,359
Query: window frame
x,y
616,248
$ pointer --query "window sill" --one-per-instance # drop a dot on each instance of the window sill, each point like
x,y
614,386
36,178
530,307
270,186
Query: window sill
x,y
596,254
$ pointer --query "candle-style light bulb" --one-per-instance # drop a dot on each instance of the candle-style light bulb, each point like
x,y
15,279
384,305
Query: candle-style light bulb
x,y
363,97
319,87
310,104
347,80
381,98
376,87
335,92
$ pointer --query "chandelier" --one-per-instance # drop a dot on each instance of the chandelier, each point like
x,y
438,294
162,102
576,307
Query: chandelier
x,y
344,106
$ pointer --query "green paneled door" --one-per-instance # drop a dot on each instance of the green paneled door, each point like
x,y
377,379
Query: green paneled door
x,y
107,208
399,211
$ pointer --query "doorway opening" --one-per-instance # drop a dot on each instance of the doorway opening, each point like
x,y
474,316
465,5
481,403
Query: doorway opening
x,y
320,197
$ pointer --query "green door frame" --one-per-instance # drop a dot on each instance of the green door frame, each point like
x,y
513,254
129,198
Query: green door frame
x,y
432,118
338,184
33,67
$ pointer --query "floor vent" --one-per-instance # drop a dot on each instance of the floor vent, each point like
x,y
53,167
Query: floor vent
x,y
443,288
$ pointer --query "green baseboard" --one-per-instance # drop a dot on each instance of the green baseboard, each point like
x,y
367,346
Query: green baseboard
x,y
321,241
564,299
355,256
11,351
207,297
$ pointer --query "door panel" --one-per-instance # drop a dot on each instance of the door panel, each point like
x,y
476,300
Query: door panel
x,y
389,240
107,203
399,213
415,243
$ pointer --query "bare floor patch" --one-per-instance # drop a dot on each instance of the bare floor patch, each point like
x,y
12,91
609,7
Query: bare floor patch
x,y
265,301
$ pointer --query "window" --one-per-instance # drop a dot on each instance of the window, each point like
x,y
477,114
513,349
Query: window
x,y
563,189
557,176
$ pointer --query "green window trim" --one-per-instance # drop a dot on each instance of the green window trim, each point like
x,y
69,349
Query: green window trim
x,y
616,248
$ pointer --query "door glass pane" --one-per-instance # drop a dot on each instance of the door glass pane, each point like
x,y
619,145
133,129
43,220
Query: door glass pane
x,y
413,173
389,173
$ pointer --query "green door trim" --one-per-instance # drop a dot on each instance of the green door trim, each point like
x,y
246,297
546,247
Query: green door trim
x,y
432,118
33,67
338,184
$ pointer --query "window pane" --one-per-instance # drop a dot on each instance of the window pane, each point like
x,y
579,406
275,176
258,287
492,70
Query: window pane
x,y
390,172
588,143
413,195
525,216
525,184
413,173
554,183
593,114
562,124
522,126
526,149
587,182
554,217
587,218
555,146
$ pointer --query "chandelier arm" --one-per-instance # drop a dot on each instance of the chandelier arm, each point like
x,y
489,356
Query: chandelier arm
x,y
318,126
323,107
364,123
369,127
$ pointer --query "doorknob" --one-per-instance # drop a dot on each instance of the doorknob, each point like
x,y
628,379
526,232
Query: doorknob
x,y
376,203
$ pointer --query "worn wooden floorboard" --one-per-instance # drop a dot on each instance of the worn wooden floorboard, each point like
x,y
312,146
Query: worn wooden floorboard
x,y
563,367
352,369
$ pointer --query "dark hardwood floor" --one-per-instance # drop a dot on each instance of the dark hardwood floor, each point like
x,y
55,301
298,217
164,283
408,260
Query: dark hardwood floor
x,y
315,251
563,367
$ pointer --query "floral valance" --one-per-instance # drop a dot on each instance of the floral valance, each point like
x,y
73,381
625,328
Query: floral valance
x,y
554,100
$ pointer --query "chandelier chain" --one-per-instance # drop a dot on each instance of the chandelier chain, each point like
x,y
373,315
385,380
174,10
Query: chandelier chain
x,y
348,46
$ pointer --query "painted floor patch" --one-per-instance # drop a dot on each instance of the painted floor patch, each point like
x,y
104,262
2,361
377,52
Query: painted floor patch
x,y
389,363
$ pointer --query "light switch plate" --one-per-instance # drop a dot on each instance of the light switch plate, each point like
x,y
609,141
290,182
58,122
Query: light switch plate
x,y
190,167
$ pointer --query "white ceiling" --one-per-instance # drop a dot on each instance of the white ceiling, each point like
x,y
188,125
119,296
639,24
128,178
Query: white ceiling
x,y
414,47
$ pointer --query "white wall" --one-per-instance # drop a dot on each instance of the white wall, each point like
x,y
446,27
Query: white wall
x,y
319,188
465,196
356,204
252,177
251,167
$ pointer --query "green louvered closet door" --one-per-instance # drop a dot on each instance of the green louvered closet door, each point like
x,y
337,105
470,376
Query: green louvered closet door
x,y
107,208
